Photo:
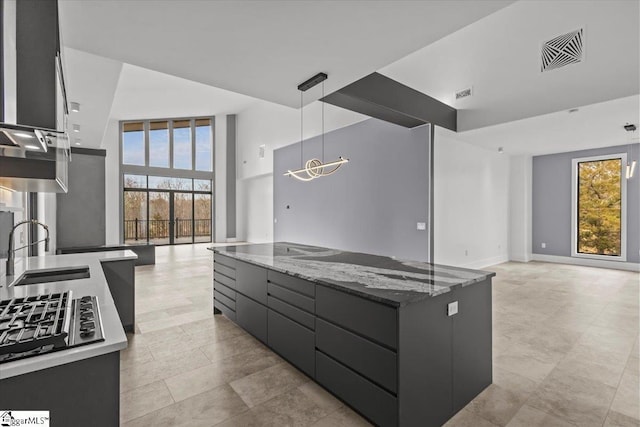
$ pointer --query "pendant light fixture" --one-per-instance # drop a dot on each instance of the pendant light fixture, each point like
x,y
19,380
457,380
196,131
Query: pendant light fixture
x,y
630,167
313,168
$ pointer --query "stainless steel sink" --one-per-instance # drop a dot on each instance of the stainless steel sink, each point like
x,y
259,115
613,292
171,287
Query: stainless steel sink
x,y
53,275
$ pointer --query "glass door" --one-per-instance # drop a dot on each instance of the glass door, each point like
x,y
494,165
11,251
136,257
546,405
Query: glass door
x,y
160,224
182,218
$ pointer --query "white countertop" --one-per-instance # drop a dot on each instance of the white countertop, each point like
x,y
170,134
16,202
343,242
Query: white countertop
x,y
115,338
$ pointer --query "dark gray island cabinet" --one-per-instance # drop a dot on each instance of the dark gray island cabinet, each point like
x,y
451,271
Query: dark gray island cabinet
x,y
403,343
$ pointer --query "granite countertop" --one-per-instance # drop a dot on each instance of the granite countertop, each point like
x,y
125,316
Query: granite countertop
x,y
115,338
376,277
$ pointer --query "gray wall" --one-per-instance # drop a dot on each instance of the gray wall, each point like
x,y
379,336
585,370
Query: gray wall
x,y
551,201
80,213
372,204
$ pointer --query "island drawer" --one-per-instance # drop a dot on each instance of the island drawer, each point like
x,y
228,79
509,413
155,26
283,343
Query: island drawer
x,y
251,281
225,260
370,319
367,398
295,284
227,311
293,342
225,290
223,269
294,298
376,363
224,299
220,278
252,317
293,313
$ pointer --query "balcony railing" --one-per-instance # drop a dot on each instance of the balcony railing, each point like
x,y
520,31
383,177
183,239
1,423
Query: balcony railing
x,y
137,229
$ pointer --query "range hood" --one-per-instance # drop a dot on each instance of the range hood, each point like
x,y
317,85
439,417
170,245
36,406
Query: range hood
x,y
33,159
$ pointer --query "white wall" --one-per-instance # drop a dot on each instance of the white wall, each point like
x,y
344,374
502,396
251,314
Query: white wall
x,y
274,126
520,176
471,203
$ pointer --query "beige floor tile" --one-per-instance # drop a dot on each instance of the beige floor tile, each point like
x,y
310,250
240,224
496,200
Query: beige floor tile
x,y
320,396
143,400
497,404
615,419
343,417
575,399
528,416
231,347
203,410
608,374
268,383
466,418
627,398
292,408
187,384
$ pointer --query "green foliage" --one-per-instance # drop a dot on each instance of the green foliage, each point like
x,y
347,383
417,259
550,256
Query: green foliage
x,y
599,207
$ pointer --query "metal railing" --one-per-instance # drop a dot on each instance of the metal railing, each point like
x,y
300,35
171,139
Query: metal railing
x,y
137,229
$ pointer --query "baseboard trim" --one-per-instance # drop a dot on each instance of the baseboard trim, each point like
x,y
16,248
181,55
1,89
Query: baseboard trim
x,y
614,265
487,262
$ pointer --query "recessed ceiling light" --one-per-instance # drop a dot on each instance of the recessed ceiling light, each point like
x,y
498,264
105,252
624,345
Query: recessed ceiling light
x,y
76,128
32,147
77,143
24,135
500,150
75,107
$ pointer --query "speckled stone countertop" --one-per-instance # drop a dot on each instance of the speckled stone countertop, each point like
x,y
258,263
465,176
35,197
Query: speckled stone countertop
x,y
375,277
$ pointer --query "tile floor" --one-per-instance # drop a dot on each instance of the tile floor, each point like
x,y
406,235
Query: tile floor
x,y
565,354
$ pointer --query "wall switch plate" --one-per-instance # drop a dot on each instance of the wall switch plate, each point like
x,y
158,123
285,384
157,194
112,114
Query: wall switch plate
x,y
452,308
421,226
261,151
543,245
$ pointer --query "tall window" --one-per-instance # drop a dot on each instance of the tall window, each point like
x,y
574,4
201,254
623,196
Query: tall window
x,y
166,177
599,207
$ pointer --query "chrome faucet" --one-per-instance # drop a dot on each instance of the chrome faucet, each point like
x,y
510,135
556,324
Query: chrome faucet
x,y
11,253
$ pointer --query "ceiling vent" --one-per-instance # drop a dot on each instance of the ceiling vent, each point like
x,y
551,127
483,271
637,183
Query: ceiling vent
x,y
563,50
464,93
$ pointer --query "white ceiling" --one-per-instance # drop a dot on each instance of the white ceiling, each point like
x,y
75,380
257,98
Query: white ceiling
x,y
263,48
592,126
500,57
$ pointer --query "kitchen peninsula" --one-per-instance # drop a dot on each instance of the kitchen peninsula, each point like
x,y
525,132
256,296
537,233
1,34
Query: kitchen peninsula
x,y
404,343
61,340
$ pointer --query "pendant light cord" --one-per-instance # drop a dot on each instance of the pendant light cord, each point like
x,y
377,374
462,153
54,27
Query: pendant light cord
x,y
301,128
322,121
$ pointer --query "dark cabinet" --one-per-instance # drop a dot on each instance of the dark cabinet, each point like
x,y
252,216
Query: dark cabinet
x,y
292,341
121,279
251,281
252,316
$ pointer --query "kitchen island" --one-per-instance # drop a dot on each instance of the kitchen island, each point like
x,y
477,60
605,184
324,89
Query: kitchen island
x,y
404,343
79,385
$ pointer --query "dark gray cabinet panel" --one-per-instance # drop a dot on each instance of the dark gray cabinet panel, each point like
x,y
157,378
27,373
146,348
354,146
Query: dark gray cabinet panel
x,y
121,278
252,316
296,284
293,313
371,319
224,270
472,360
367,398
252,281
294,342
292,297
225,290
377,363
225,260
221,278
227,311
231,303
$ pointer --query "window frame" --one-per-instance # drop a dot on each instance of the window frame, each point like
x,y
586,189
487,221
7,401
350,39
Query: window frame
x,y
623,207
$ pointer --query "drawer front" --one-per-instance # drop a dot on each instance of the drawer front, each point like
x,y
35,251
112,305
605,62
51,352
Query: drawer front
x,y
225,290
224,299
251,281
373,320
377,363
370,400
223,269
292,312
227,311
225,280
252,317
225,260
299,285
293,342
293,298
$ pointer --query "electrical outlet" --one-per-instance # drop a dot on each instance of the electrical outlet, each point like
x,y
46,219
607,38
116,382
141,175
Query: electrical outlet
x,y
421,226
452,308
543,245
